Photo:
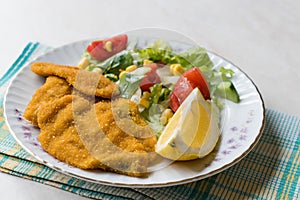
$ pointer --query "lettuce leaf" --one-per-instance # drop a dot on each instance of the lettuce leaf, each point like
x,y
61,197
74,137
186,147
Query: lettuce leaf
x,y
117,63
161,52
159,93
160,44
152,117
159,101
156,55
113,65
130,82
193,57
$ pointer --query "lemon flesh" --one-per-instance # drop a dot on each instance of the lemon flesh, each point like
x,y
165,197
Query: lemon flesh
x,y
191,133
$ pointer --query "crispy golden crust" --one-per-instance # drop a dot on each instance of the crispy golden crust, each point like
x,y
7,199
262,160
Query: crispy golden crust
x,y
54,88
90,136
108,135
58,135
90,83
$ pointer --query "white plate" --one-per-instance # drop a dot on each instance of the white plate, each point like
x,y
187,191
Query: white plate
x,y
242,125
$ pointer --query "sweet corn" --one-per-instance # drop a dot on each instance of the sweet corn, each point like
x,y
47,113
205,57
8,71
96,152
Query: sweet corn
x,y
146,62
144,102
108,46
84,62
131,68
123,73
164,120
98,70
166,116
146,95
176,69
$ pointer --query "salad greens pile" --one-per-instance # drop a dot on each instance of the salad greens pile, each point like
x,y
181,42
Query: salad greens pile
x,y
160,51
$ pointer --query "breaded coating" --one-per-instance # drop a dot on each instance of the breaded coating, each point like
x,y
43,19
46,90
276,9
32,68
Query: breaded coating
x,y
92,136
53,88
126,143
87,82
58,134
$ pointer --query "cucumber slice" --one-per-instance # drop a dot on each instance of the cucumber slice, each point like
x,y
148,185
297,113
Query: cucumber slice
x,y
227,90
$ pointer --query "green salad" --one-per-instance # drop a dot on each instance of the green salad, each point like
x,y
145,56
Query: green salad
x,y
157,78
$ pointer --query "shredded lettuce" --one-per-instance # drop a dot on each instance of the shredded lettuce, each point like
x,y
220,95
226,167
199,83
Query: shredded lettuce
x,y
227,74
160,52
152,117
159,101
130,82
116,63
156,55
215,77
193,57
160,44
159,95
113,65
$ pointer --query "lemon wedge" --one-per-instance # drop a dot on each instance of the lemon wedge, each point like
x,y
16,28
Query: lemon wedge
x,y
191,133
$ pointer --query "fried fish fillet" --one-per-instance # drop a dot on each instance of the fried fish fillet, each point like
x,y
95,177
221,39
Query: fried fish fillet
x,y
88,136
53,88
87,82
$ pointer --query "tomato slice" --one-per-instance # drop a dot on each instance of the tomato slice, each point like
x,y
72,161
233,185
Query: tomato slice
x,y
174,103
151,77
197,79
103,49
184,86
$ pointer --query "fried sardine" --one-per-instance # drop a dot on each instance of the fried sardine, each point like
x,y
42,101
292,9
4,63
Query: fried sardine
x,y
92,136
90,83
53,88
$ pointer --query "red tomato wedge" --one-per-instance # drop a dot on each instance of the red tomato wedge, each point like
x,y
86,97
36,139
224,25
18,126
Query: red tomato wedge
x,y
174,103
184,86
151,77
103,49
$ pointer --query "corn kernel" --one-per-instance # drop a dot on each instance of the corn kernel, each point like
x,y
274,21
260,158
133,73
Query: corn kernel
x,y
98,70
84,62
146,95
166,116
108,46
123,73
164,120
146,62
131,68
144,102
176,69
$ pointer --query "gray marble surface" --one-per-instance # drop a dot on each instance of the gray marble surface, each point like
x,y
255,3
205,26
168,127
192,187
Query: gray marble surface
x,y
261,37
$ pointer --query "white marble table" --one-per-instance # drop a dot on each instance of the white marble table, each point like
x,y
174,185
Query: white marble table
x,y
261,37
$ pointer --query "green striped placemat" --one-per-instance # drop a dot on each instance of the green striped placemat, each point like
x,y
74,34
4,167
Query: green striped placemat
x,y
269,171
